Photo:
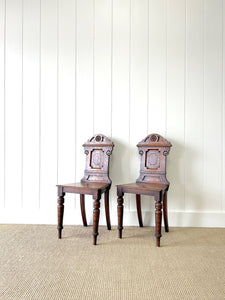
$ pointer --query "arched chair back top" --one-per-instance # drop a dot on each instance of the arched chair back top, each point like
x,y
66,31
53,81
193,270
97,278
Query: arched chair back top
x,y
153,150
98,150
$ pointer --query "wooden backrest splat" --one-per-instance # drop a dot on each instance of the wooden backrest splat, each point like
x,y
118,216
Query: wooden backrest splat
x,y
98,150
153,150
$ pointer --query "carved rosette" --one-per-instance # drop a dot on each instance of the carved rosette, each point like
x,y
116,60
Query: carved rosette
x,y
141,152
166,152
108,152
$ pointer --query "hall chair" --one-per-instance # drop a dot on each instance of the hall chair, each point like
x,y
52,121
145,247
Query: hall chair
x,y
152,182
95,182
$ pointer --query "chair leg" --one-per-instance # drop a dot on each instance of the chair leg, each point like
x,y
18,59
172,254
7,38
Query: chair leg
x,y
138,203
60,215
158,217
165,215
82,207
96,213
106,195
120,214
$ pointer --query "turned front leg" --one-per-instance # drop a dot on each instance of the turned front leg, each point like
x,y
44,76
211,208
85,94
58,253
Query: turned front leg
x,y
158,217
96,213
120,213
60,214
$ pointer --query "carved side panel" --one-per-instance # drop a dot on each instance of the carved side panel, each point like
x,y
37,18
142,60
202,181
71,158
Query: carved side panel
x,y
152,159
97,159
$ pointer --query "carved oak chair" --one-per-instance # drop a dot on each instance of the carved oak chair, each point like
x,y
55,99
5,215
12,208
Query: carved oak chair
x,y
151,181
95,182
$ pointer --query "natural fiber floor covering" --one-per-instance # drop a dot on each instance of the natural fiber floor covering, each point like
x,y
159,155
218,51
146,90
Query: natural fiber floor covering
x,y
190,264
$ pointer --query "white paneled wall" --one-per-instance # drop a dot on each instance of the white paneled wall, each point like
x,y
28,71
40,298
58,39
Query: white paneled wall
x,y
72,68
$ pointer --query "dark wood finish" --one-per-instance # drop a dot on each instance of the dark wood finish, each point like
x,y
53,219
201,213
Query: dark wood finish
x,y
82,207
95,182
96,213
60,215
153,150
120,211
158,217
98,150
165,215
106,195
152,181
138,203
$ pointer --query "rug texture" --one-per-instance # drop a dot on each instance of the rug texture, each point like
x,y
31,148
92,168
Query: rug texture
x,y
190,264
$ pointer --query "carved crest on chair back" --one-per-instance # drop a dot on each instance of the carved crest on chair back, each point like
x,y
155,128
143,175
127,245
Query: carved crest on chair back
x,y
98,150
153,150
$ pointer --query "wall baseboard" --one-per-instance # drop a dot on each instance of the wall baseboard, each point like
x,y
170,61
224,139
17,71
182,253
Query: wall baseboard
x,y
73,217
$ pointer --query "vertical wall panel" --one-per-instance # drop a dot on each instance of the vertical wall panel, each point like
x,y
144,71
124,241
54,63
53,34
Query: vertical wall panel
x,y
157,67
102,79
175,100
121,93
48,108
2,101
157,97
84,84
138,87
194,108
223,101
31,97
13,106
102,66
66,98
212,103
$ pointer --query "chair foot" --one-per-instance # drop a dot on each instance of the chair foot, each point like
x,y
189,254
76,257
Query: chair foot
x,y
94,239
59,233
158,242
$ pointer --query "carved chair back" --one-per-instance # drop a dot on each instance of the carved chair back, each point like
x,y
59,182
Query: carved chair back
x,y
98,150
153,150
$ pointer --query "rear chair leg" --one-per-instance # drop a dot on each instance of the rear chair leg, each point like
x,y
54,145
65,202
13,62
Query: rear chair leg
x,y
82,207
165,215
106,195
138,202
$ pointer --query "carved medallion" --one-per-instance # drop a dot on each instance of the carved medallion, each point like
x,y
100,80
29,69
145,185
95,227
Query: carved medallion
x,y
152,159
96,159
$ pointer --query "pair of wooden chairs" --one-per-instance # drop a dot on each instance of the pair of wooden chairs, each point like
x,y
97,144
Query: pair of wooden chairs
x,y
151,181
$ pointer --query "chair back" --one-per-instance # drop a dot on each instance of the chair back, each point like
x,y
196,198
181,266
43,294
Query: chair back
x,y
153,150
98,150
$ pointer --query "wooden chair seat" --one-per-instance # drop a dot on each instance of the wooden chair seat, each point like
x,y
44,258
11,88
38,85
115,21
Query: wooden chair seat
x,y
95,182
143,188
151,181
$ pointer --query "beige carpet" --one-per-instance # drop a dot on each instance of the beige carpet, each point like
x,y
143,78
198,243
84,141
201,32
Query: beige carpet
x,y
190,264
